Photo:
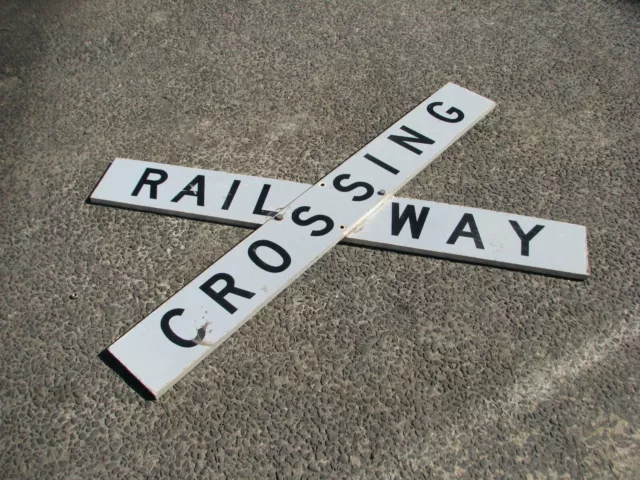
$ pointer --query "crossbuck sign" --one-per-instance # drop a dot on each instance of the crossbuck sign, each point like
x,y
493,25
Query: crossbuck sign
x,y
300,223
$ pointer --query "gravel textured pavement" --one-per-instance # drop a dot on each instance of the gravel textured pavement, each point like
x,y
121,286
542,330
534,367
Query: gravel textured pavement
x,y
373,364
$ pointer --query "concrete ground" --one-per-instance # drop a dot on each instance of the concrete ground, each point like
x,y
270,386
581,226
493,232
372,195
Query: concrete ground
x,y
373,364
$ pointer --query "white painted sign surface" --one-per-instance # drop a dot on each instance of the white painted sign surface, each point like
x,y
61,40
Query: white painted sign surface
x,y
184,330
479,236
420,227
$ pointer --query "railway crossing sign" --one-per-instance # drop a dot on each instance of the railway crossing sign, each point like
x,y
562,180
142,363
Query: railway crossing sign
x,y
304,224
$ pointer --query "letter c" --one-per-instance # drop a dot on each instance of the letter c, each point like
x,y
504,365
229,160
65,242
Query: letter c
x,y
166,329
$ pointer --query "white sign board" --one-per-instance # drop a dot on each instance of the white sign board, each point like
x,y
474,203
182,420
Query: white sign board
x,y
480,236
184,330
420,227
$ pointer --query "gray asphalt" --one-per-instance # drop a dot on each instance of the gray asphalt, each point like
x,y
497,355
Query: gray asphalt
x,y
373,364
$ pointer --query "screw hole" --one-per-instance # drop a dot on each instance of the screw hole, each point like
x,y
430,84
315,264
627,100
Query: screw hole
x,y
322,184
341,227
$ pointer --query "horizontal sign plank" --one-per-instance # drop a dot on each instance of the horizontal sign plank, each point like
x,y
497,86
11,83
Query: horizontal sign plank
x,y
184,330
479,236
416,226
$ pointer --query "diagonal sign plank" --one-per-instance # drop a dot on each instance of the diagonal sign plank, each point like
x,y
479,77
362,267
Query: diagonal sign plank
x,y
405,225
190,325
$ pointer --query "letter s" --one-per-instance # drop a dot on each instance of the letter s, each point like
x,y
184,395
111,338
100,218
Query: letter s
x,y
357,198
311,220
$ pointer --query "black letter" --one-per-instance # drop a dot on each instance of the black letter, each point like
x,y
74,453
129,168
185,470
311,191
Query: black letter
x,y
353,186
231,194
199,193
381,164
432,111
286,259
261,199
153,184
467,219
315,218
417,138
525,238
230,287
166,329
409,213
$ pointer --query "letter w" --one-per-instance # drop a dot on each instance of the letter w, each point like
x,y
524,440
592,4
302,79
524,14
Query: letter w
x,y
398,220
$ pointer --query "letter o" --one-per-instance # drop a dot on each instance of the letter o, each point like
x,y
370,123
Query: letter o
x,y
253,255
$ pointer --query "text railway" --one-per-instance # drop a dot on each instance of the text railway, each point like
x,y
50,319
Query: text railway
x,y
404,225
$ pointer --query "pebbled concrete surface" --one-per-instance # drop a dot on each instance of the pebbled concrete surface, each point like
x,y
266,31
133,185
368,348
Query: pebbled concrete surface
x,y
373,364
